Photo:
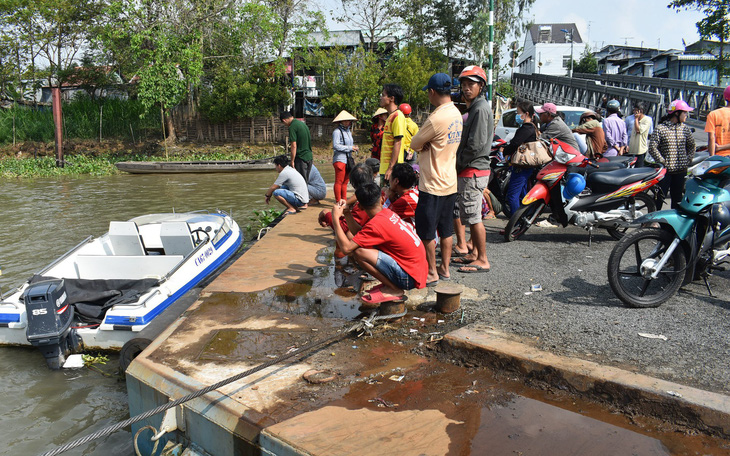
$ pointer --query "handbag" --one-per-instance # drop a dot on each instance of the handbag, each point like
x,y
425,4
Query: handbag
x,y
532,154
350,164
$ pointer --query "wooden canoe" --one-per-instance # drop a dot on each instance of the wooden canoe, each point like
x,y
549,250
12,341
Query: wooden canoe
x,y
145,167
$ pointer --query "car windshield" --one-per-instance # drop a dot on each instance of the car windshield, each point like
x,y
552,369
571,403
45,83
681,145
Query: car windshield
x,y
572,118
508,119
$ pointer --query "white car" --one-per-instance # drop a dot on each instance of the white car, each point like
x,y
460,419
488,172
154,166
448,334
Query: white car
x,y
506,125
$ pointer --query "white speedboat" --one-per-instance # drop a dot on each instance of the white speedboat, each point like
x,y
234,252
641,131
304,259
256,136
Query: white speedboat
x,y
102,293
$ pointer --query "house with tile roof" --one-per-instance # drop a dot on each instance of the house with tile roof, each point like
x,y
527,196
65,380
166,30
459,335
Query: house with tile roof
x,y
547,49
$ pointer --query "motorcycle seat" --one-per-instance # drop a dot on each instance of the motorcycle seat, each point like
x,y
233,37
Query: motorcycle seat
x,y
617,159
602,167
603,182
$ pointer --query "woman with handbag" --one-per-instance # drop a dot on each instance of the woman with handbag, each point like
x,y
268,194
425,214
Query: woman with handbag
x,y
520,177
343,147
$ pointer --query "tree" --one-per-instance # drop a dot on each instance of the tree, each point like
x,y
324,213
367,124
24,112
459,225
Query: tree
x,y
715,24
419,20
410,68
587,64
509,21
351,80
294,23
377,18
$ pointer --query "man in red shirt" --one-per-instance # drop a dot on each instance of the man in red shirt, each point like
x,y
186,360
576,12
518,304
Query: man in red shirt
x,y
386,247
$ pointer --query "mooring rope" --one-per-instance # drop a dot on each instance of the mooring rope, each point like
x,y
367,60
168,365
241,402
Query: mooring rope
x,y
363,325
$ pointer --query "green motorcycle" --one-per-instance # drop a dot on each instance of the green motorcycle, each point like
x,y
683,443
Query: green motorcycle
x,y
673,247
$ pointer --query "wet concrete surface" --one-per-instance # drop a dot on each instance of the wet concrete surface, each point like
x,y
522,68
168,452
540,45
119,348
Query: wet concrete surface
x,y
391,394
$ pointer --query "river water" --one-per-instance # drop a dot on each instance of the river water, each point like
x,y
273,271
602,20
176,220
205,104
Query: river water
x,y
40,220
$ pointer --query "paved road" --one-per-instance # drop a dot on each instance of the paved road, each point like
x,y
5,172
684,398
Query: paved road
x,y
577,314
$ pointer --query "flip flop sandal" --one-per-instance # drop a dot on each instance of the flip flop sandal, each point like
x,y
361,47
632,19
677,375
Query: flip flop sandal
x,y
378,297
461,260
472,269
373,289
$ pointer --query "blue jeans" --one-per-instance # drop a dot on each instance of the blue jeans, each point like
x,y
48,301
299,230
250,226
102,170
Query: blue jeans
x,y
289,196
392,270
517,188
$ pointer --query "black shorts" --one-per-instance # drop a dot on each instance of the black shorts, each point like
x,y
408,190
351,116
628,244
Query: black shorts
x,y
435,213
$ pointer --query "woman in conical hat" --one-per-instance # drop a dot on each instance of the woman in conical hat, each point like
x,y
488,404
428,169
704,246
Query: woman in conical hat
x,y
343,146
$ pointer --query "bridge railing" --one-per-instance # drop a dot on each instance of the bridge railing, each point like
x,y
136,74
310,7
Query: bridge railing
x,y
701,97
586,93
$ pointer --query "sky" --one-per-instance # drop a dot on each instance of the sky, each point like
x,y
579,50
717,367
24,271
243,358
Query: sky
x,y
634,22
601,22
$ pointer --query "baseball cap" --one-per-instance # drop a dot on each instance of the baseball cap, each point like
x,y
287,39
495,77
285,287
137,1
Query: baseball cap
x,y
547,107
438,81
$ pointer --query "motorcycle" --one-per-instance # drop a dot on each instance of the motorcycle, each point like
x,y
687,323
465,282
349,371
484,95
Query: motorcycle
x,y
588,199
649,265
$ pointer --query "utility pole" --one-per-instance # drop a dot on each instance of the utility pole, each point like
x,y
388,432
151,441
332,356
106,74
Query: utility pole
x,y
490,89
570,34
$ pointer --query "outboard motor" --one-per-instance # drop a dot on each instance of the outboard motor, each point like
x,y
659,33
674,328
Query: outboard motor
x,y
49,321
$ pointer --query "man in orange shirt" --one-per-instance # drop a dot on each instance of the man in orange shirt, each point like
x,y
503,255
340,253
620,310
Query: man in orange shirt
x,y
718,128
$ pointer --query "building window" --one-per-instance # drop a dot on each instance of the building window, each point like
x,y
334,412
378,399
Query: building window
x,y
566,61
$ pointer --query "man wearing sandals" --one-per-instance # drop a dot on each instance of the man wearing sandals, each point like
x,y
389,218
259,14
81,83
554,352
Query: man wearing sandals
x,y
290,188
386,247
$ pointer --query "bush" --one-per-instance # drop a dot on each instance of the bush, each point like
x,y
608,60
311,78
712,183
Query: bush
x,y
81,120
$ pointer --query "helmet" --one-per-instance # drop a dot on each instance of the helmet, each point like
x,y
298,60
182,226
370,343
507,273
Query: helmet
x,y
405,108
679,105
474,73
719,216
726,93
613,106
574,184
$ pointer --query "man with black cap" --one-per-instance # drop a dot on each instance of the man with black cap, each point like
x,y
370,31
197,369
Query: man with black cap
x,y
436,143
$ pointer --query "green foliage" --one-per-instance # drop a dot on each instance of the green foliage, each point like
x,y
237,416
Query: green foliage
x,y
231,94
411,68
351,80
101,165
587,64
81,120
504,88
259,220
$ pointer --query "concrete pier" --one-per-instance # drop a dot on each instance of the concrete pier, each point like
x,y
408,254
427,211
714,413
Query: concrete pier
x,y
383,398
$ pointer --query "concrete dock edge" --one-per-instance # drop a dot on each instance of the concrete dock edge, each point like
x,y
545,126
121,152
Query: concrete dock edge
x,y
630,392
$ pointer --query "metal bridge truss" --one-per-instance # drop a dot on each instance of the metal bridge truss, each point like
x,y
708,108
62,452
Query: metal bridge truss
x,y
587,90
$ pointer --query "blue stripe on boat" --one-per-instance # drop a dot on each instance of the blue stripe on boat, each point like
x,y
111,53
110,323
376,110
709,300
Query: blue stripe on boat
x,y
120,320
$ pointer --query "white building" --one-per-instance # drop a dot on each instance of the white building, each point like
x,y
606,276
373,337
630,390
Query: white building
x,y
547,49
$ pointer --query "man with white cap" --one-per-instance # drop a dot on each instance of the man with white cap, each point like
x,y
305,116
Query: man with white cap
x,y
553,125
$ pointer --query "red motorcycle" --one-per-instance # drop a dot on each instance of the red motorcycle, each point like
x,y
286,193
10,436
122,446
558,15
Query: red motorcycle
x,y
586,197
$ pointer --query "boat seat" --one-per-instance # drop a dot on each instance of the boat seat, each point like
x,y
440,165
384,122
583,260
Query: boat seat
x,y
176,238
125,239
125,267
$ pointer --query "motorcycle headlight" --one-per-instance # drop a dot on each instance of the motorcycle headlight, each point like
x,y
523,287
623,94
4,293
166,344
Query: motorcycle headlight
x,y
562,156
702,167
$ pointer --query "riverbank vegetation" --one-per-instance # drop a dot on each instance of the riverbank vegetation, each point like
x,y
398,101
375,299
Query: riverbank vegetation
x,y
91,157
220,61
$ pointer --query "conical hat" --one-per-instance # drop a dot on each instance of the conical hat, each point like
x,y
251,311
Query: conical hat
x,y
380,111
344,115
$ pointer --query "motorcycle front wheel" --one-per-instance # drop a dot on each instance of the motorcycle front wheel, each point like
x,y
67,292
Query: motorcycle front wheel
x,y
631,263
642,205
522,219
